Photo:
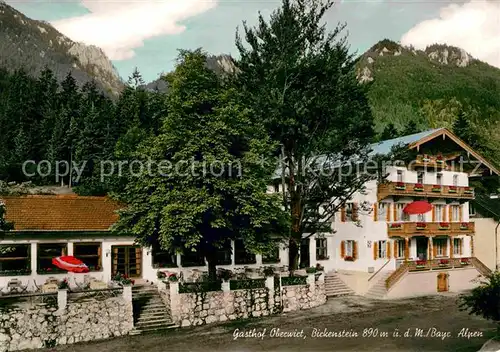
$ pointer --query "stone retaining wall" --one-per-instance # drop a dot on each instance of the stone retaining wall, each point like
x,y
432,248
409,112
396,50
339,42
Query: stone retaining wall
x,y
38,326
200,308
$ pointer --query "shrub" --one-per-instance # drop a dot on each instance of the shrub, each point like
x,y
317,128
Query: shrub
x,y
225,274
268,271
64,285
484,300
311,270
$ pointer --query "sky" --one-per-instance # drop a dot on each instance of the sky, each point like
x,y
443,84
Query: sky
x,y
147,34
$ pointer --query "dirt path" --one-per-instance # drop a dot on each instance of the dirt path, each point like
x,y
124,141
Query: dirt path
x,y
438,318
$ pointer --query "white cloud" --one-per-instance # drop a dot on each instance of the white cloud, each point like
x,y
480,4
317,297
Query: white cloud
x,y
474,26
119,27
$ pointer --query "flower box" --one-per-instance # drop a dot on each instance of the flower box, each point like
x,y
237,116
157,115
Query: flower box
x,y
421,225
444,262
418,187
400,186
349,259
436,188
444,226
452,189
468,190
464,226
426,159
439,159
464,262
421,264
396,226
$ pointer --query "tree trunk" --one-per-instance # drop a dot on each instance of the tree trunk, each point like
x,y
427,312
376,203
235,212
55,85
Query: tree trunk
x,y
293,255
211,257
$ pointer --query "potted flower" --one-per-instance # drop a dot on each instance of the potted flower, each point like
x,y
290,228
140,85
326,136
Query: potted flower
x,y
161,274
173,277
464,226
452,189
444,262
439,159
426,159
464,261
400,186
421,264
396,226
268,271
63,285
311,270
349,258
436,188
421,225
319,267
468,190
444,225
418,187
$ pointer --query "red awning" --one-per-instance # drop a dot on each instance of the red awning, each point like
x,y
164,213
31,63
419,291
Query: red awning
x,y
70,264
418,207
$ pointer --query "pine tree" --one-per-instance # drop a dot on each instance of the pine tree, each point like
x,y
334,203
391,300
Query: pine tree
x,y
410,128
389,132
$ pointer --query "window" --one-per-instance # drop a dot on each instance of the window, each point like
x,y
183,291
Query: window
x,y
439,212
89,253
45,253
420,177
276,187
455,213
472,210
15,259
383,208
421,217
351,212
321,249
400,245
457,246
455,180
440,244
439,179
241,255
382,249
349,248
193,258
400,215
400,176
163,258
272,257
224,254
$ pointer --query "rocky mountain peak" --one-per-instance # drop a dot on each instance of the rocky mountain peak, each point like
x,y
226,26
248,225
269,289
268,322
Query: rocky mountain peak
x,y
449,55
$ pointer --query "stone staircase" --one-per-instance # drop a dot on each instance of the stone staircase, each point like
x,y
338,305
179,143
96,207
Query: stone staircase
x,y
334,286
150,312
379,290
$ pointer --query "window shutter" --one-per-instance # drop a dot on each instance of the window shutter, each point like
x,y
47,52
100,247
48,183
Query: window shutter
x,y
433,213
354,211
375,250
342,214
396,249
451,247
407,248
375,212
434,249
354,250
461,245
444,213
450,213
460,213
342,249
388,250
388,212
395,210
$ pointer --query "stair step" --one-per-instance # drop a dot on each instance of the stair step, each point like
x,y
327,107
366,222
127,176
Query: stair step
x,y
151,320
153,325
146,330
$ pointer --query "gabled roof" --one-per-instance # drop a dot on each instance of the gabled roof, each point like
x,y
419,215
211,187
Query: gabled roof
x,y
384,147
60,212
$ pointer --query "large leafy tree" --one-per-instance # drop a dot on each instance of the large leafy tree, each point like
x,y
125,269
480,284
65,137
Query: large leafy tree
x,y
215,190
300,80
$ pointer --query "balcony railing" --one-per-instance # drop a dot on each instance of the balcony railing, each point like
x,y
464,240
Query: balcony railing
x,y
437,162
428,191
430,228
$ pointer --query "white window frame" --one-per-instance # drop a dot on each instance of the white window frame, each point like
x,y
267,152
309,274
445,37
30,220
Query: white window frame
x,y
422,175
382,249
439,179
442,248
383,208
421,217
439,209
455,180
400,176
401,249
349,248
455,213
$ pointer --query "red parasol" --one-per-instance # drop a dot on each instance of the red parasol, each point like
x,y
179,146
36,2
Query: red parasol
x,y
70,264
418,207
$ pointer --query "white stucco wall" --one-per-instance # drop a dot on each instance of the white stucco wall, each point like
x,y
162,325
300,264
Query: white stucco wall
x,y
484,242
425,282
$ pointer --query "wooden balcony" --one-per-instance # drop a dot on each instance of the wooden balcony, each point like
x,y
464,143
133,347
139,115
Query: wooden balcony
x,y
402,189
434,162
404,229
